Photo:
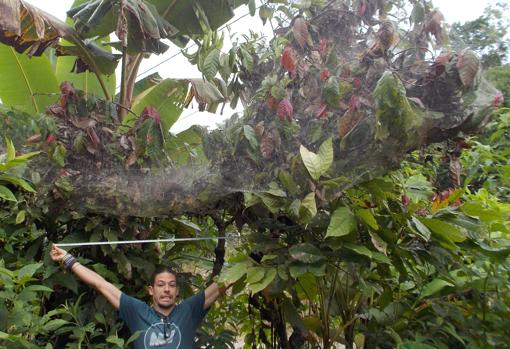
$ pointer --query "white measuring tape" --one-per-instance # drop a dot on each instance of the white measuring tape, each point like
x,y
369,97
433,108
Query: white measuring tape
x,y
79,244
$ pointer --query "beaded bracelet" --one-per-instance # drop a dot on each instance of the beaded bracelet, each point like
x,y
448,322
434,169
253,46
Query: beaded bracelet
x,y
68,261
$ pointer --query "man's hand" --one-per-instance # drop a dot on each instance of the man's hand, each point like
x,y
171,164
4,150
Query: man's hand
x,y
56,253
90,277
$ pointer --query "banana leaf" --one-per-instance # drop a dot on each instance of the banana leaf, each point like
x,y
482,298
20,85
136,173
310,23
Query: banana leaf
x,y
27,82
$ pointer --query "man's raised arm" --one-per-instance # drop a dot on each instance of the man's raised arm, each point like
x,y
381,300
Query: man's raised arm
x,y
212,293
88,276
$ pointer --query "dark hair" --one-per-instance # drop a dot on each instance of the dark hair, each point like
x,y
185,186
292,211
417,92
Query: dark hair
x,y
162,269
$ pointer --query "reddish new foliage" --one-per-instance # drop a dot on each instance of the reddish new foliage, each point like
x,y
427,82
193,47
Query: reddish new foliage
x,y
356,82
66,92
444,196
151,112
405,200
285,110
50,139
498,99
272,103
300,31
323,45
288,60
325,74
321,112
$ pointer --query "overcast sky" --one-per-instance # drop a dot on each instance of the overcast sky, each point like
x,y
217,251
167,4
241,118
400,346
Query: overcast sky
x,y
178,66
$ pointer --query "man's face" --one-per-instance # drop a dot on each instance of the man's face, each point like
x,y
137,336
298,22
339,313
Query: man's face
x,y
164,291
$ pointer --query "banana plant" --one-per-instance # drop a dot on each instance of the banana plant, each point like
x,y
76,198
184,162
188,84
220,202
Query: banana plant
x,y
27,29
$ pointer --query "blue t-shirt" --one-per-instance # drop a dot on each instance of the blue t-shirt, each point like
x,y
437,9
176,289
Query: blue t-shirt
x,y
175,331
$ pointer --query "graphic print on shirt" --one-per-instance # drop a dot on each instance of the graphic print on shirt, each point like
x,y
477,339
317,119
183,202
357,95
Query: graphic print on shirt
x,y
162,335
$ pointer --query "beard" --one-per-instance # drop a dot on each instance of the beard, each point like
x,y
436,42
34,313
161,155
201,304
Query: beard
x,y
167,305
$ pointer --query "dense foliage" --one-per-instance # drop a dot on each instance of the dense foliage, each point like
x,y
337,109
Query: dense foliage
x,y
415,257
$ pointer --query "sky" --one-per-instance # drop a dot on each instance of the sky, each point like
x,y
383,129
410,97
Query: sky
x,y
178,66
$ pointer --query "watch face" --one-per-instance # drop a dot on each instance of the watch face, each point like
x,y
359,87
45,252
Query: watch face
x,y
162,335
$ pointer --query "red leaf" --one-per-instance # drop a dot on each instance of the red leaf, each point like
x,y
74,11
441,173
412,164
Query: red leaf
x,y
285,110
267,146
151,112
348,121
323,45
433,25
455,170
288,60
300,31
405,200
91,132
66,92
498,99
321,112
467,65
354,103
272,103
369,204
356,82
50,139
362,8
325,74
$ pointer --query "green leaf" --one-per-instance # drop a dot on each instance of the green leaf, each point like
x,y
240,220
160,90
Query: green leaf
x,y
296,269
20,217
367,217
26,273
54,324
115,340
418,188
11,151
292,314
422,229
250,135
364,251
183,16
211,64
288,182
394,115
415,345
308,208
6,194
255,274
331,92
443,230
186,147
318,164
269,276
234,273
38,288
475,209
17,181
342,223
306,253
252,7
27,82
434,287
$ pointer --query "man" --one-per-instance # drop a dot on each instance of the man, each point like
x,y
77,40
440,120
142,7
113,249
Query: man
x,y
165,324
